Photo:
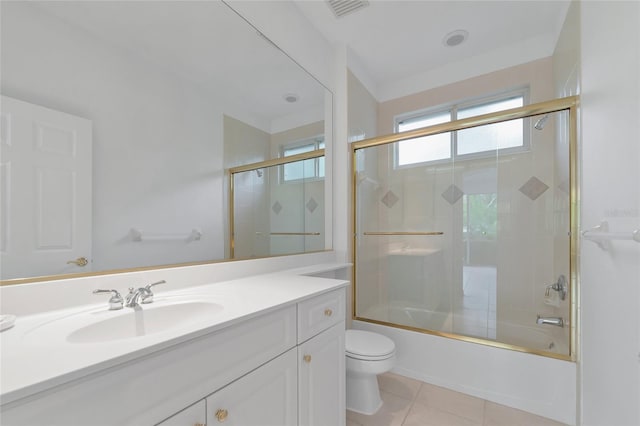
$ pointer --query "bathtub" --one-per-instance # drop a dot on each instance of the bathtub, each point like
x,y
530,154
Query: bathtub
x,y
537,384
536,338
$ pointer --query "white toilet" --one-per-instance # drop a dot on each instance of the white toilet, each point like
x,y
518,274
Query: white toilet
x,y
367,355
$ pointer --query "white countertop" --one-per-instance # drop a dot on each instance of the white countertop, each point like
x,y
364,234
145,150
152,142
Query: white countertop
x,y
29,365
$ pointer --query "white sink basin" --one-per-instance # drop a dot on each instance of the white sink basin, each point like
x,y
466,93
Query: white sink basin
x,y
143,321
100,326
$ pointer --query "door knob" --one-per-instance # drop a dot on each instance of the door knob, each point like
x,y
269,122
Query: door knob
x,y
81,261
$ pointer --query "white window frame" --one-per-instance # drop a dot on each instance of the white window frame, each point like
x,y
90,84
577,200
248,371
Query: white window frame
x,y
317,142
453,109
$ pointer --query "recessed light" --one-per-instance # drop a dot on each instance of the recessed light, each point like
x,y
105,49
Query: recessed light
x,y
291,97
455,38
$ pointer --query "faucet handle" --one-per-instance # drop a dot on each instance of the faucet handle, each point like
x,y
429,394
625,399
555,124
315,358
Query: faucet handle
x,y
148,286
115,302
148,296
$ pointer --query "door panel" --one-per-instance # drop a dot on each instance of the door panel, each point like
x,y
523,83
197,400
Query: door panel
x,y
45,193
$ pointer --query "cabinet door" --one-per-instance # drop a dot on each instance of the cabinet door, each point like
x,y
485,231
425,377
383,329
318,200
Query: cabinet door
x,y
321,379
264,397
194,415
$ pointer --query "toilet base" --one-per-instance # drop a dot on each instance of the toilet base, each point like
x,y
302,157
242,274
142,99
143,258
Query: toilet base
x,y
363,395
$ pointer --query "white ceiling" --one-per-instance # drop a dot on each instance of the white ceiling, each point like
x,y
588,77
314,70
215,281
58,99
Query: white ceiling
x,y
208,44
396,46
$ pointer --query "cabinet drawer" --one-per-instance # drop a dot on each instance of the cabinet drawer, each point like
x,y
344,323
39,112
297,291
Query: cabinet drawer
x,y
320,313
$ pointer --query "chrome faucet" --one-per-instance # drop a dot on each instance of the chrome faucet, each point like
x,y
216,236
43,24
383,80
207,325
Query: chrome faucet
x,y
142,295
557,321
131,301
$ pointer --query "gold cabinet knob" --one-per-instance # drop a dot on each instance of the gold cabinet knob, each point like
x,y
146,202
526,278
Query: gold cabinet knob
x,y
221,415
307,358
81,261
328,312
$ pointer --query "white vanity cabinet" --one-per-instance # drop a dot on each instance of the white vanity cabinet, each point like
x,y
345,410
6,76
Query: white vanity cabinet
x,y
264,397
304,386
321,379
283,366
321,369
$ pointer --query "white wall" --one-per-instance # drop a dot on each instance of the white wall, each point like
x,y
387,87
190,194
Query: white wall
x,y
610,280
157,139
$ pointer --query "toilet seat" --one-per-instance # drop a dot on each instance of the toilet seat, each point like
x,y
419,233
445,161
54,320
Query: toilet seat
x,y
368,346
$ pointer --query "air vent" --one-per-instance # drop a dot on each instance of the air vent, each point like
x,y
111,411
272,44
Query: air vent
x,y
344,7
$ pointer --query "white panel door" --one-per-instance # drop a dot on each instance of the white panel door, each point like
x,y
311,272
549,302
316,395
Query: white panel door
x,y
45,191
321,379
264,397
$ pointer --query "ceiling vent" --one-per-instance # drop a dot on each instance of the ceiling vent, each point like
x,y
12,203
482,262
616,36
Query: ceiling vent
x,y
345,7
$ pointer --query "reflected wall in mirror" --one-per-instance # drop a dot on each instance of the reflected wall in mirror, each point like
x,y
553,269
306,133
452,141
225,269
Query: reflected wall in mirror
x,y
118,122
278,205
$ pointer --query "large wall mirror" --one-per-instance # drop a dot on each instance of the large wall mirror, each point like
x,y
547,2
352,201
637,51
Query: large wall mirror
x,y
120,122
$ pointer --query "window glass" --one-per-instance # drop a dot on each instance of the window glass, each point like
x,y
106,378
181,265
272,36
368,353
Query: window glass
x,y
508,134
478,140
428,148
304,169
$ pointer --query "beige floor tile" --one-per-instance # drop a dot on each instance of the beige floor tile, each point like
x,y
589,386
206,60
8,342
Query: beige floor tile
x,y
457,403
422,415
352,423
392,413
401,386
499,415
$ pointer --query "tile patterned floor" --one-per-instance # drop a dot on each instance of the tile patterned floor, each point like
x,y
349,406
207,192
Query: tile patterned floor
x,y
409,402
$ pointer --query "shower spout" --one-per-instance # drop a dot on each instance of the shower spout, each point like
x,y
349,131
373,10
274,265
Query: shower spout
x,y
557,321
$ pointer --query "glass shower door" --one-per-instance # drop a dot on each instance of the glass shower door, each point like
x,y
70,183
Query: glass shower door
x,y
472,246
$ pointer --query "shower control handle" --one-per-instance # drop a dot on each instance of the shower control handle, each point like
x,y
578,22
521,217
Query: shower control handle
x,y
560,286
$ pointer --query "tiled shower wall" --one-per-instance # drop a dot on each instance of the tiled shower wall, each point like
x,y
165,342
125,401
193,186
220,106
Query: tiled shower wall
x,y
263,204
532,211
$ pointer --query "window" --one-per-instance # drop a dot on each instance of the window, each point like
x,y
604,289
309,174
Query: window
x,y
474,142
312,168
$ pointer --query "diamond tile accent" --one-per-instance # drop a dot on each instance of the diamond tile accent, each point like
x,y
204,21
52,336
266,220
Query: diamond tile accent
x,y
389,199
564,186
277,207
452,194
533,188
312,205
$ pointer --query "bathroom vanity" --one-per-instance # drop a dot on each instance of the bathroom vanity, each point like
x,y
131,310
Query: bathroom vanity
x,y
262,350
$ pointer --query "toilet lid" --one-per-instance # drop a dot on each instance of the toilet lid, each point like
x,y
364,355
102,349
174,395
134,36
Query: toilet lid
x,y
365,344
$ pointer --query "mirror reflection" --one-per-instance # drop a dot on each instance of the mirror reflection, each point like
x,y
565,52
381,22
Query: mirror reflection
x,y
287,197
119,121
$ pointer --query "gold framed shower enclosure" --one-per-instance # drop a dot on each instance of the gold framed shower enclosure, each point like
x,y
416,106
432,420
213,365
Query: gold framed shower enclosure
x,y
568,105
275,162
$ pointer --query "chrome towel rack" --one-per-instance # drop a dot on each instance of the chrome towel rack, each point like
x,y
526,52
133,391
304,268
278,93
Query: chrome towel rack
x,y
138,235
601,235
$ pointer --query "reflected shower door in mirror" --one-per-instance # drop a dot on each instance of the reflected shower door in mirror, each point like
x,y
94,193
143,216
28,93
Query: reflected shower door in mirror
x,y
471,245
118,122
278,206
